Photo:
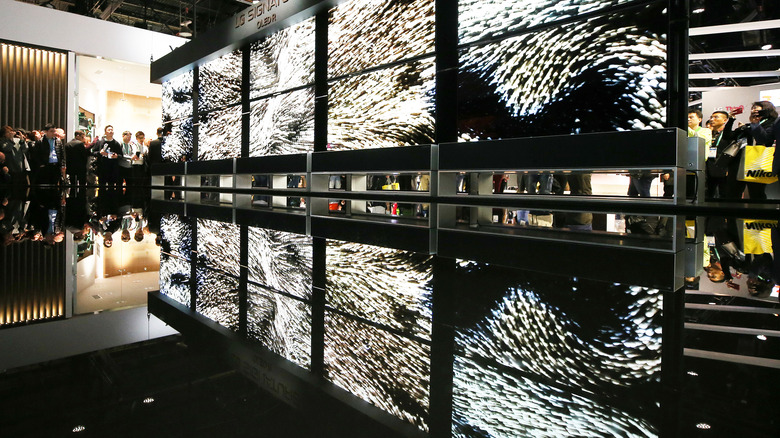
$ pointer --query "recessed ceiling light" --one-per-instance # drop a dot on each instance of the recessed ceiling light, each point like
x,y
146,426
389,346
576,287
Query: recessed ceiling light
x,y
703,426
698,10
79,428
185,34
148,400
766,47
186,22
693,373
761,337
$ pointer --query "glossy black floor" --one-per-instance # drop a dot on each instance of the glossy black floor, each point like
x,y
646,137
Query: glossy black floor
x,y
162,388
181,386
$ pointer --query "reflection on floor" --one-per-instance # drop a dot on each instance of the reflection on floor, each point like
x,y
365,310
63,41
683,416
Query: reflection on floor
x,y
163,388
116,292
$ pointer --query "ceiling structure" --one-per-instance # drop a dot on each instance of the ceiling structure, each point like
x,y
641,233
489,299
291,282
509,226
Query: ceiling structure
x,y
173,17
733,43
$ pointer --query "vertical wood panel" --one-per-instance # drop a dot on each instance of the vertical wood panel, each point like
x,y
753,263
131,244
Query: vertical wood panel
x,y
33,87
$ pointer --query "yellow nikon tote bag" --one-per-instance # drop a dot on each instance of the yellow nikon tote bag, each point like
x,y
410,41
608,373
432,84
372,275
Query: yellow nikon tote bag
x,y
757,236
756,165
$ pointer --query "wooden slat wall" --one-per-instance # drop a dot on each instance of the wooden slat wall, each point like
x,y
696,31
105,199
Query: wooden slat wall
x,y
33,87
32,282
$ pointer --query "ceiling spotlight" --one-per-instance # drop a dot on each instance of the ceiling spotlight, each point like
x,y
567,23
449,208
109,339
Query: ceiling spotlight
x,y
148,400
703,426
766,47
185,34
698,10
693,373
761,337
186,22
79,428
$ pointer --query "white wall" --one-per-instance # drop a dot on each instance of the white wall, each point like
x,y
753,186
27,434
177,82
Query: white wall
x,y
83,35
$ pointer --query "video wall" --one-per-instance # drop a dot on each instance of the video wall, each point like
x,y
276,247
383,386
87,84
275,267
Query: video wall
x,y
532,354
531,351
524,69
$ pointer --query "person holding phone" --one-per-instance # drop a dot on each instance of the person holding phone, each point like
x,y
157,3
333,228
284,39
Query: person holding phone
x,y
763,116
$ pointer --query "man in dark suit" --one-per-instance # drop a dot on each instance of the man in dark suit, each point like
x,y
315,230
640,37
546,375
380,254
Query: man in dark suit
x,y
76,154
48,156
155,147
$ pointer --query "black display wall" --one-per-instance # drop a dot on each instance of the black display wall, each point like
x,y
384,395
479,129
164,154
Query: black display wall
x,y
471,71
406,312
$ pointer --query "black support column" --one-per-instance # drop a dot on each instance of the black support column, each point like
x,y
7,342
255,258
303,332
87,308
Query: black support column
x,y
673,327
446,71
677,58
442,336
318,306
245,86
243,281
195,115
321,82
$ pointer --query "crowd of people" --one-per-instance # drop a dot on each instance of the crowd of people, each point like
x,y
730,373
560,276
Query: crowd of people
x,y
725,144
45,213
45,158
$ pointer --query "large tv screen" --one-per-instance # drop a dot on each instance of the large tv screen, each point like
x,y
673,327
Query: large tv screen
x,y
219,135
368,33
217,296
605,73
384,285
389,371
219,246
281,323
282,124
281,261
481,19
384,108
536,352
177,97
283,60
220,82
175,266
178,144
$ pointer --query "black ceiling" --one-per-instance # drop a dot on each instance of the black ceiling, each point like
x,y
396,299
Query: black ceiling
x,y
165,16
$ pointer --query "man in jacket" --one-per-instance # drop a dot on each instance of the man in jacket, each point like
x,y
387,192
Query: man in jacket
x,y
48,156
76,154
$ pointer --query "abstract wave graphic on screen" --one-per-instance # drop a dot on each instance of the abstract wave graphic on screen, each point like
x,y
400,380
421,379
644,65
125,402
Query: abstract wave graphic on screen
x,y
282,324
220,82
217,297
539,355
218,246
219,135
478,19
175,242
392,289
282,60
605,73
390,107
387,286
179,143
282,124
389,371
281,261
368,33
218,271
177,97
